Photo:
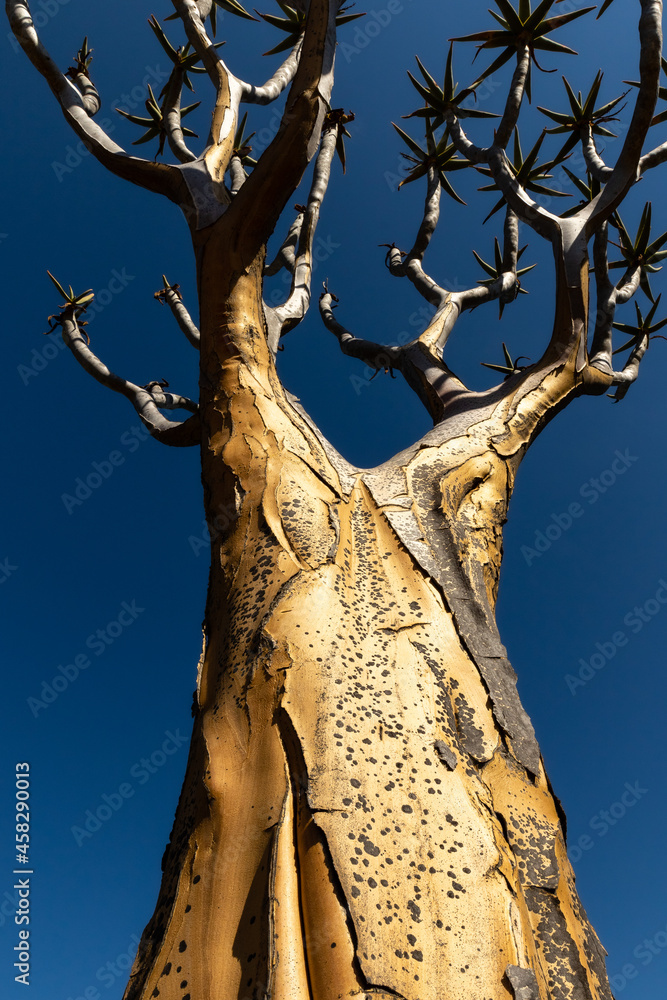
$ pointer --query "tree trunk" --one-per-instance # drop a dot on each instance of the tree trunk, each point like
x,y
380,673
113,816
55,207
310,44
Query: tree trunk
x,y
365,811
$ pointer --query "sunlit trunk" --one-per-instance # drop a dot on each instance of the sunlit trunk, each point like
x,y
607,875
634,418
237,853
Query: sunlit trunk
x,y
365,811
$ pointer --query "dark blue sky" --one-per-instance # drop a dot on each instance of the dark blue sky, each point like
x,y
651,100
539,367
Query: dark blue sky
x,y
107,594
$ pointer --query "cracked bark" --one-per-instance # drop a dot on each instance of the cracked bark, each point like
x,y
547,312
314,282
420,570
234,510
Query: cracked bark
x,y
365,811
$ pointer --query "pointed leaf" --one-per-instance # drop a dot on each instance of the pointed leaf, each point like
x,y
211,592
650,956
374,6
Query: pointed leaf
x,y
58,285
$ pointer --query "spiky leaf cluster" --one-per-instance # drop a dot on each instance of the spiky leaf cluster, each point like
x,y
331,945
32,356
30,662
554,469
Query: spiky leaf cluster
x,y
519,28
607,3
72,300
337,118
82,61
155,124
439,154
441,101
242,147
583,114
161,294
510,367
231,6
639,252
590,188
645,327
498,267
294,22
528,172
183,58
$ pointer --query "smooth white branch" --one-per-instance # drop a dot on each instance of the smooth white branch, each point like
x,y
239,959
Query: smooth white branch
x,y
193,16
275,86
627,168
88,90
609,296
595,165
292,311
171,114
286,256
171,296
153,176
374,355
146,400
514,98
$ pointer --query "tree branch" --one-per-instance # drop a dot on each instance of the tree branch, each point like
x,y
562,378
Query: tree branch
x,y
409,265
286,256
229,90
237,175
608,297
511,241
171,113
171,295
626,170
430,218
158,177
425,285
595,165
88,90
503,288
145,400
628,285
275,86
528,211
294,309
654,158
514,99
256,209
374,355
476,154
200,42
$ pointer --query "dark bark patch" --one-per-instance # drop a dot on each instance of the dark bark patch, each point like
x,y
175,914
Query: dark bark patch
x,y
523,982
567,977
447,756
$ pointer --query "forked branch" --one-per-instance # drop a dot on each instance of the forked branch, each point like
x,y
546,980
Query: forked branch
x,y
156,177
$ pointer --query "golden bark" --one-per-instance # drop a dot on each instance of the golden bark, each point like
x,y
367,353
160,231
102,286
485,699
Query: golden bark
x,y
365,811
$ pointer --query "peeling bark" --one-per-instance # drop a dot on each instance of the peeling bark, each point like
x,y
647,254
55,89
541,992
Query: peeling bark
x,y
365,811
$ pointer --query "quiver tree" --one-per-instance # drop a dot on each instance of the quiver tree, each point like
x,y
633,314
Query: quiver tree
x,y
365,810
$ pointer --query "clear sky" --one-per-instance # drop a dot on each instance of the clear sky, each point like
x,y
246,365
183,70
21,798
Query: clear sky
x,y
108,593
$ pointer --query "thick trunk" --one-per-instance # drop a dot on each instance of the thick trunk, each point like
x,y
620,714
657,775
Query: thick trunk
x,y
365,811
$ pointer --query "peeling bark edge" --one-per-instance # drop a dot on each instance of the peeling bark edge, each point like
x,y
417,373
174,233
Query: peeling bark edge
x,y
523,983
